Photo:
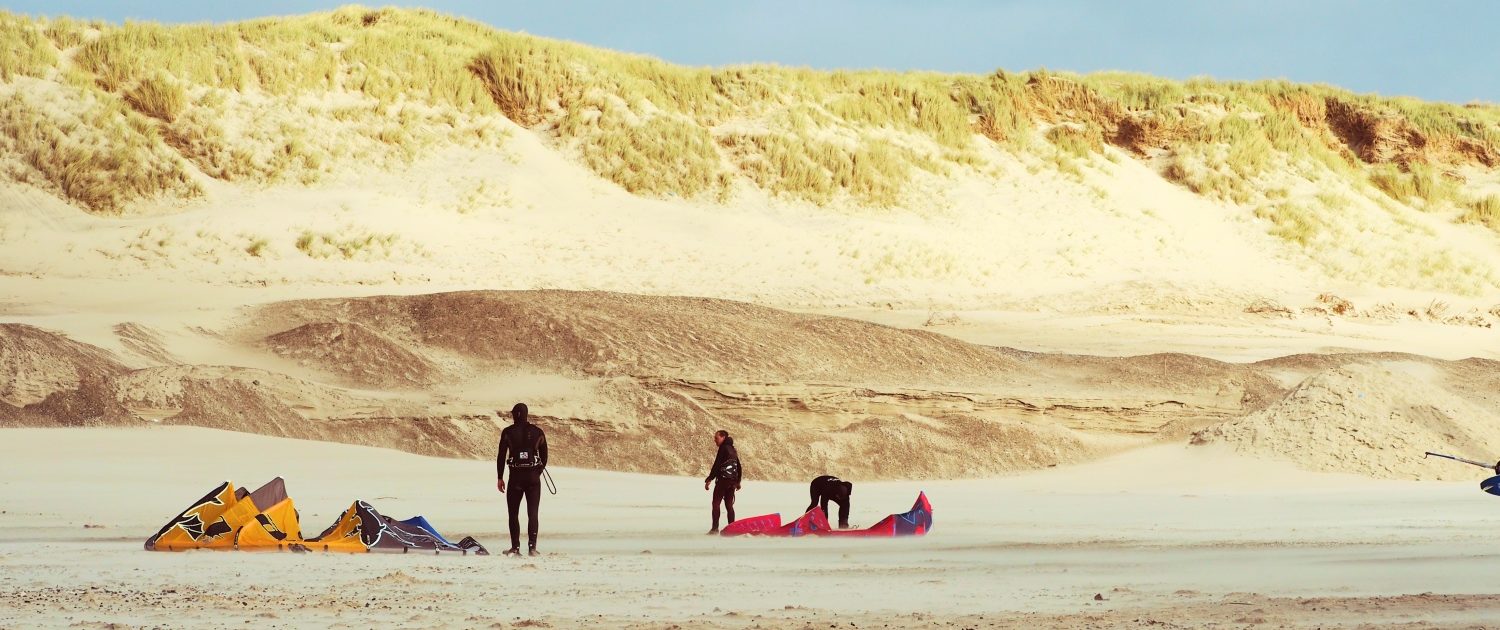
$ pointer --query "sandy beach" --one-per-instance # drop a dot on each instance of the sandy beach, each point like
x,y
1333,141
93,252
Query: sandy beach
x,y
1168,537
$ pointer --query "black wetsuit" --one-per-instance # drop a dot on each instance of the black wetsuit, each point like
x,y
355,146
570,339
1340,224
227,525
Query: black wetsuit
x,y
830,488
523,446
725,473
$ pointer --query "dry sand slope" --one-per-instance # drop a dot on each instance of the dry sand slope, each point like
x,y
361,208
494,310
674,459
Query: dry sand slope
x,y
631,382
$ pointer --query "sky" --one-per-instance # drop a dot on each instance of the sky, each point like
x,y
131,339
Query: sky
x,y
1445,50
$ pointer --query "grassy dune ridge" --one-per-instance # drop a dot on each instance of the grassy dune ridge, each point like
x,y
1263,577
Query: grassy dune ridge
x,y
108,115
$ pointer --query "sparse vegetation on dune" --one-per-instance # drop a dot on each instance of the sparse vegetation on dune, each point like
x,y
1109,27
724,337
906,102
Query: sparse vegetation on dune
x,y
1485,211
90,149
266,100
158,97
24,49
294,99
1415,183
348,244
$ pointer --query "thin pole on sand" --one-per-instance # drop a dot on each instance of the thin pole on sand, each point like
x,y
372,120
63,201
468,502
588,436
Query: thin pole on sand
x,y
1460,459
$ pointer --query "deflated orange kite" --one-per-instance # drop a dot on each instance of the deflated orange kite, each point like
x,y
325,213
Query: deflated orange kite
x,y
267,520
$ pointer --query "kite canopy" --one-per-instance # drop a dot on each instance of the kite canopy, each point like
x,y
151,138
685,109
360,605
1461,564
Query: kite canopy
x,y
914,522
267,520
420,522
765,525
361,529
229,518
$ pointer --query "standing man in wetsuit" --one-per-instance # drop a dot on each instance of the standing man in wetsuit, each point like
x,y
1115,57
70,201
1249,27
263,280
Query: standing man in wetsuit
x,y
523,447
830,488
725,474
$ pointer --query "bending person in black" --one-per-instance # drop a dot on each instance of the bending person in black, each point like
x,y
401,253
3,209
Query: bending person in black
x,y
523,447
830,488
725,474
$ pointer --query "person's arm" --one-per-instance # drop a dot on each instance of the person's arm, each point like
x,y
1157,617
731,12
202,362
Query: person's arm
x,y
542,449
713,469
500,460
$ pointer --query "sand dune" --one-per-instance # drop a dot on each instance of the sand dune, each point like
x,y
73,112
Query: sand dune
x,y
354,353
1371,418
633,382
38,364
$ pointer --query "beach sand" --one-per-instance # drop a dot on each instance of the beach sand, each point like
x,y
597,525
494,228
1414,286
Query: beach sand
x,y
1166,536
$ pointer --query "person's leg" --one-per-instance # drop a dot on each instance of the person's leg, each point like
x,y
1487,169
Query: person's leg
x,y
513,504
722,495
714,501
812,491
533,501
824,504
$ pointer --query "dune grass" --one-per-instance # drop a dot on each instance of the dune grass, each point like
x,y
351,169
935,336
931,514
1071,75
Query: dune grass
x,y
660,129
357,245
1359,238
1416,183
158,97
195,53
1294,222
1077,140
254,100
234,99
66,32
90,149
1484,211
24,48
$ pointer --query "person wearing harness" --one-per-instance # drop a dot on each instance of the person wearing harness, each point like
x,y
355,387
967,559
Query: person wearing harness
x,y
725,474
830,488
523,447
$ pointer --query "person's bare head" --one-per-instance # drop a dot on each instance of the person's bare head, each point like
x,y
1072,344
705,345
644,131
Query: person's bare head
x,y
720,436
519,413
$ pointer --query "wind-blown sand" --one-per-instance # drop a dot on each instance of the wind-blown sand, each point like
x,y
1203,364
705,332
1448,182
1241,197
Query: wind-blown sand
x,y
1168,536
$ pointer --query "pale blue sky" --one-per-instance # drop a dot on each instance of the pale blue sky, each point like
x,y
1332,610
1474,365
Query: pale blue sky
x,y
1435,49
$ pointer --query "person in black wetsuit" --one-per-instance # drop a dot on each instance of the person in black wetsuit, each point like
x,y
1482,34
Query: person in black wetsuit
x,y
523,447
725,473
830,488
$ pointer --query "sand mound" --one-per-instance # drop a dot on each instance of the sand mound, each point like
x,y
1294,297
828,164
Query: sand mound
x,y
35,364
657,428
355,354
636,383
49,380
602,334
144,342
1373,419
611,334
171,387
1164,378
91,404
957,446
648,376
267,403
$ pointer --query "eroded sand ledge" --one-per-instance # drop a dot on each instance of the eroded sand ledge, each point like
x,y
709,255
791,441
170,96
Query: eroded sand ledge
x,y
634,382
